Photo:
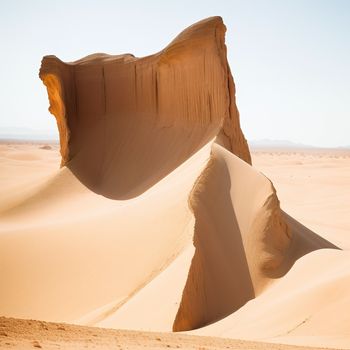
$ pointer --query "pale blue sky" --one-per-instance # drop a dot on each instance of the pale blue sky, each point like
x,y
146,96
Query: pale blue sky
x,y
290,58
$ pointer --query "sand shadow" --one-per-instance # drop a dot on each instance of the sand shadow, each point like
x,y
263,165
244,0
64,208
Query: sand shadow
x,y
128,158
304,241
219,281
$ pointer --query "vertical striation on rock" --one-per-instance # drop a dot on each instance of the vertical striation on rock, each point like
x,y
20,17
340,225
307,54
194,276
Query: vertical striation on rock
x,y
184,91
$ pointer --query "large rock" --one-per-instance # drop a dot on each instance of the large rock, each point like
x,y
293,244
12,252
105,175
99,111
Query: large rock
x,y
184,93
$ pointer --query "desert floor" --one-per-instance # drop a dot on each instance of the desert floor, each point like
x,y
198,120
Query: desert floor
x,y
313,186
28,334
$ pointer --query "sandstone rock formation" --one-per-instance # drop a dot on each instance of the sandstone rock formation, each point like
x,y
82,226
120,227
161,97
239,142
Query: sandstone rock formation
x,y
183,94
156,219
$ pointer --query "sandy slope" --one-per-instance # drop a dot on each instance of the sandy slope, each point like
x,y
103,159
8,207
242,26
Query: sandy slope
x,y
307,305
66,215
156,221
296,310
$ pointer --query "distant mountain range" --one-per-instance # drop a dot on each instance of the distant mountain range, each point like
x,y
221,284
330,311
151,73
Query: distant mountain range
x,y
277,144
268,143
27,134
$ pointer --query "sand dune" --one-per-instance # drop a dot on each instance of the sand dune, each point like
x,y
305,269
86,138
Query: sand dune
x,y
156,220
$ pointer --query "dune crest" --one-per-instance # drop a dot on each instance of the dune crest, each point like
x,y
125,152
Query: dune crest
x,y
156,219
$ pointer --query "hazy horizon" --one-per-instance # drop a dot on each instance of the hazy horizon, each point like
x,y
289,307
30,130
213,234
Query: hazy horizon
x,y
290,59
41,136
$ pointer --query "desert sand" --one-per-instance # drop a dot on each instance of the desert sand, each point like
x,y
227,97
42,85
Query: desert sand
x,y
29,334
157,220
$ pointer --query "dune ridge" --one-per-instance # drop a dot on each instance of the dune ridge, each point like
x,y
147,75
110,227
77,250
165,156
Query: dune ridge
x,y
156,220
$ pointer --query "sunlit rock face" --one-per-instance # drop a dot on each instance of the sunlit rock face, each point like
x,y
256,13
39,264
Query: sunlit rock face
x,y
183,94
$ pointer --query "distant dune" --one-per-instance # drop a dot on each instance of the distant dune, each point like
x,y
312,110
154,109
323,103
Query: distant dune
x,y
285,144
156,220
268,143
27,134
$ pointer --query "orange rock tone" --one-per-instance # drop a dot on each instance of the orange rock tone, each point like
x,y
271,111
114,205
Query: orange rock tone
x,y
186,90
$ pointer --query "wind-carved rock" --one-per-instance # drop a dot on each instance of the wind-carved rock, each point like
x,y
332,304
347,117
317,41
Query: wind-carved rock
x,y
185,91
